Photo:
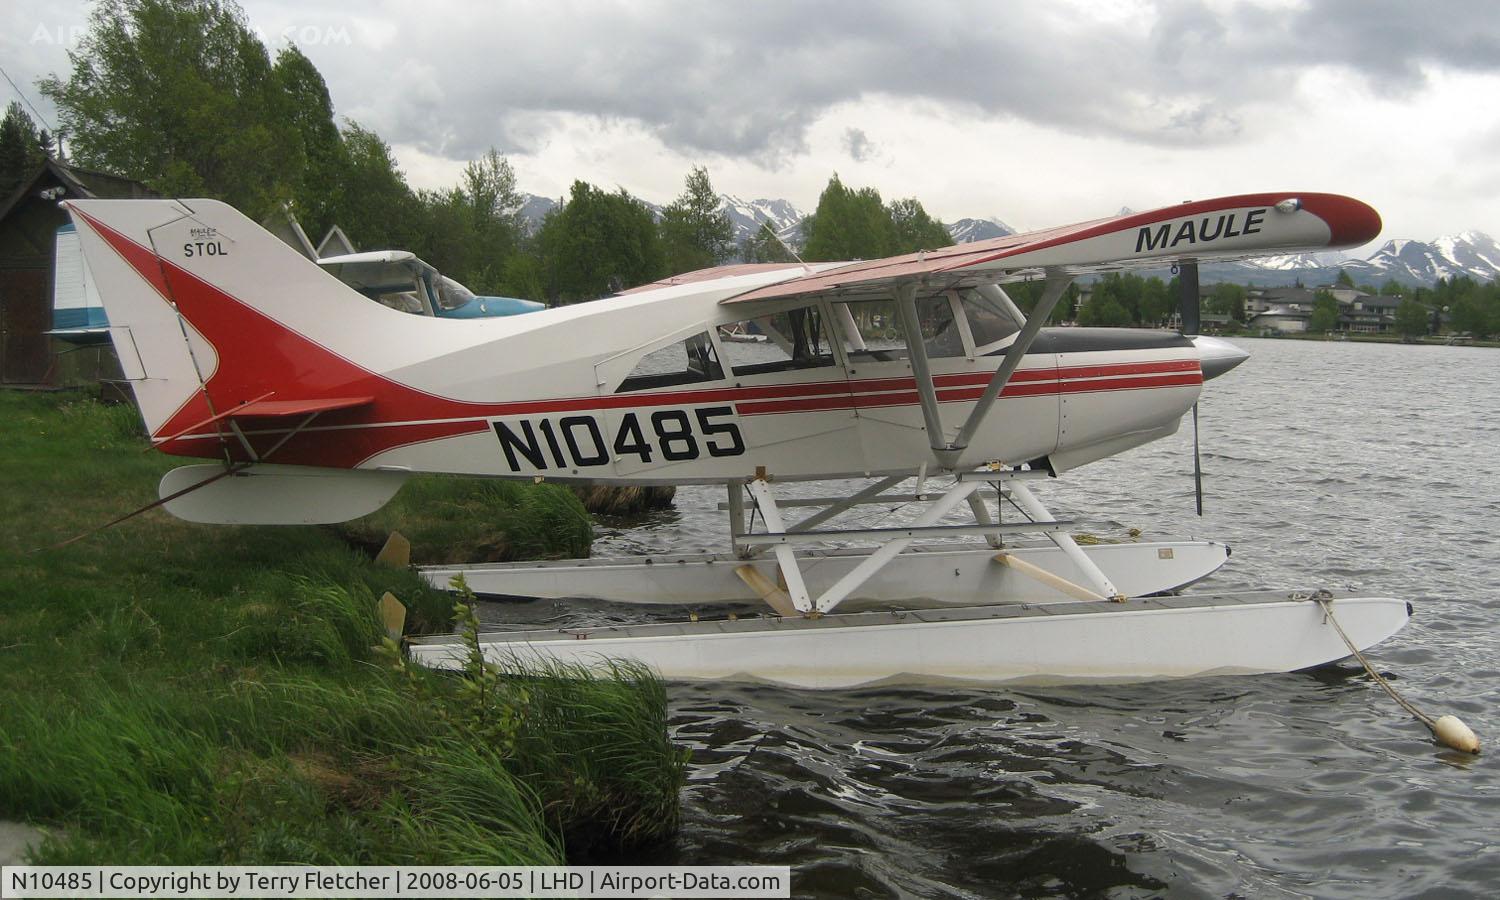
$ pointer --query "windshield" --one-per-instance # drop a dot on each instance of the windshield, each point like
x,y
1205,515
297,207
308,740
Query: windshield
x,y
989,321
451,294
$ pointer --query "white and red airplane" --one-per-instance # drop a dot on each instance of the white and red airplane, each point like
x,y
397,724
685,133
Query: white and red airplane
x,y
313,404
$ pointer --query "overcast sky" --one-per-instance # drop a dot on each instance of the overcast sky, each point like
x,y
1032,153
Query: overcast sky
x,y
1034,113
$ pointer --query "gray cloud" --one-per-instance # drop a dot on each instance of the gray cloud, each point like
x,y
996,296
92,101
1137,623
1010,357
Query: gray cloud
x,y
748,80
858,144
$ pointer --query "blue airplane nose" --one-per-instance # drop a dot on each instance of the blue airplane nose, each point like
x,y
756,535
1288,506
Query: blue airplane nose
x,y
1217,355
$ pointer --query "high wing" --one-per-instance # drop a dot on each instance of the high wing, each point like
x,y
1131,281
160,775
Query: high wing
x,y
1226,228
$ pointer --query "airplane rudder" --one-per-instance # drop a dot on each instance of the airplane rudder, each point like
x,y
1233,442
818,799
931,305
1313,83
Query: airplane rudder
x,y
155,360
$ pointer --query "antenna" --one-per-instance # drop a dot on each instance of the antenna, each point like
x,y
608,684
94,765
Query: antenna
x,y
765,223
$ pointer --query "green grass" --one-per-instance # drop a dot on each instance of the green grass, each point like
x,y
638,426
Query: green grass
x,y
186,694
456,520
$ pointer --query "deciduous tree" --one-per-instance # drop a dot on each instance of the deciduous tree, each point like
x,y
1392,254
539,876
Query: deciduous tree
x,y
377,209
181,95
1412,319
1325,315
848,224
912,229
318,185
598,243
763,246
1228,300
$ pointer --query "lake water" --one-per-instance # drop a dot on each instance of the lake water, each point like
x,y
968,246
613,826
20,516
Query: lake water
x,y
1342,465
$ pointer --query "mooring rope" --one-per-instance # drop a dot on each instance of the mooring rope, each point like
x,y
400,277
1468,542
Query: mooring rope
x,y
1447,730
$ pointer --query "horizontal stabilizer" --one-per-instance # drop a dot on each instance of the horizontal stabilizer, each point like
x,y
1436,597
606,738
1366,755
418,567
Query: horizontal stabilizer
x,y
299,407
278,495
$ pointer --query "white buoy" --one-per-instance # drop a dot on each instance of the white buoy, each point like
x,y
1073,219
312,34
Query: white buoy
x,y
1451,731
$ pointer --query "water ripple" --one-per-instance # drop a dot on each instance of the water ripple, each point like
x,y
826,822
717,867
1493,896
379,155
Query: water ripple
x,y
1369,466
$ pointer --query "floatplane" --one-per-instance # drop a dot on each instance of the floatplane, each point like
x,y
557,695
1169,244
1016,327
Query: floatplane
x,y
311,404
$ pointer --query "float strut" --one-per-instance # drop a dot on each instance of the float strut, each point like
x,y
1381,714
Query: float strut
x,y
765,501
1064,541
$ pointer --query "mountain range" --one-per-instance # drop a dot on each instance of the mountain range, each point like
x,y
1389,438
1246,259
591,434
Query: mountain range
x,y
1408,262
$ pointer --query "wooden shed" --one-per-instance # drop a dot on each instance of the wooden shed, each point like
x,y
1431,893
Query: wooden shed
x,y
29,219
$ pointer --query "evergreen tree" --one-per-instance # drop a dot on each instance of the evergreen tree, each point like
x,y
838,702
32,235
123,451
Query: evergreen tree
x,y
1344,279
695,231
22,148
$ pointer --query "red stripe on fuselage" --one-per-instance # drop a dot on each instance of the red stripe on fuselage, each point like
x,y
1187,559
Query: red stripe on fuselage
x,y
970,393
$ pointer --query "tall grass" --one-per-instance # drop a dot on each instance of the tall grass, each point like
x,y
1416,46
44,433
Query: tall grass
x,y
594,742
454,520
180,694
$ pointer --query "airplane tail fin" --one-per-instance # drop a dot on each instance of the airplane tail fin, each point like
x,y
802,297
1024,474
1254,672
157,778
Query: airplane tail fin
x,y
210,313
215,320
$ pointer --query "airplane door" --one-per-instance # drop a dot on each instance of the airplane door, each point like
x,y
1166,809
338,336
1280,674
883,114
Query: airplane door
x,y
882,383
791,397
964,340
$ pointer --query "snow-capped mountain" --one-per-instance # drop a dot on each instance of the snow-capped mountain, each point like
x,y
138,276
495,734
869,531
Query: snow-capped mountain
x,y
966,231
534,209
1294,261
747,216
1408,262
1471,253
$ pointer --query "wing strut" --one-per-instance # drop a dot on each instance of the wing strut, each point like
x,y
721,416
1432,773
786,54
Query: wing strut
x,y
906,309
1057,285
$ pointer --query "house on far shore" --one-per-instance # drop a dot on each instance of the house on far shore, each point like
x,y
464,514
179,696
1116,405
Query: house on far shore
x,y
1289,310
1282,310
1369,314
29,220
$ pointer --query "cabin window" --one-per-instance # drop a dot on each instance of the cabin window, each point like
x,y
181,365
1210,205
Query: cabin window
x,y
689,361
940,332
872,331
989,321
785,342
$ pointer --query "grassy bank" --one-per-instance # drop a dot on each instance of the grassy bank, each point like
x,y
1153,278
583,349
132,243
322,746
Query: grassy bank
x,y
194,694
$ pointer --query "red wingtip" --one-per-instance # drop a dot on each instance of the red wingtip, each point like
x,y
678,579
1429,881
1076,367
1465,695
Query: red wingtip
x,y
1350,222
